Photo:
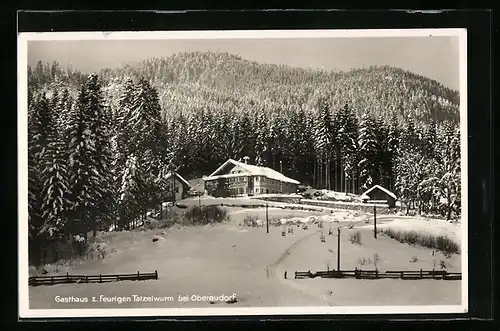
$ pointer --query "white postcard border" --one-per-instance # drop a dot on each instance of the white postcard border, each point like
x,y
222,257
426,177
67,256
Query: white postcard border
x,y
23,38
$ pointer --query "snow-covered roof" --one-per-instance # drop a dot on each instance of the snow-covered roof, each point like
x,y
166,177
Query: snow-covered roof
x,y
382,189
178,176
251,170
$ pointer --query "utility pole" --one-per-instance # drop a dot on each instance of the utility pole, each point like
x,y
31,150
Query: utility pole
x,y
267,219
281,182
338,249
173,188
375,221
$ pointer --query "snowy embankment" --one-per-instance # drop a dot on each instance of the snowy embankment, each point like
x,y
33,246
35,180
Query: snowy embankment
x,y
341,203
284,216
253,201
340,196
418,224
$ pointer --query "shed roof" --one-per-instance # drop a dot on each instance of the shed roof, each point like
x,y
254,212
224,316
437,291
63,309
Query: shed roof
x,y
380,188
178,176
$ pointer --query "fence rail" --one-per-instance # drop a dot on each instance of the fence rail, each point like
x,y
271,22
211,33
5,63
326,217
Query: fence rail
x,y
69,279
375,274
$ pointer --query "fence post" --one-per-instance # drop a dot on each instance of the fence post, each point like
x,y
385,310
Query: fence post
x,y
433,274
156,274
86,279
52,279
421,276
356,272
67,277
402,274
100,278
376,273
138,275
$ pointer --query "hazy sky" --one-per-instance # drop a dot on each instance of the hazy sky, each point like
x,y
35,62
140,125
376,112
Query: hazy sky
x,y
433,57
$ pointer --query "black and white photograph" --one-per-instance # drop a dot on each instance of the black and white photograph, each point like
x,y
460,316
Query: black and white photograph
x,y
242,172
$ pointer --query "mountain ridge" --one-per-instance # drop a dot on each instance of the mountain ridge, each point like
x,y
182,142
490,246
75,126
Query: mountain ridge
x,y
213,80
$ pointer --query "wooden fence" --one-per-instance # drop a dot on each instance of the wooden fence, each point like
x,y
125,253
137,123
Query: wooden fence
x,y
68,279
375,274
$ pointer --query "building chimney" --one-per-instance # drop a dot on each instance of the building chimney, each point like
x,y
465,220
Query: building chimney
x,y
246,158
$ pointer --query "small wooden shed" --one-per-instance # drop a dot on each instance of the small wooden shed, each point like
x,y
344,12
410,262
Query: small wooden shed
x,y
380,194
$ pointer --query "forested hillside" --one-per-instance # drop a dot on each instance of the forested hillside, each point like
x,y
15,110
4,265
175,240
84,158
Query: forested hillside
x,y
228,82
101,144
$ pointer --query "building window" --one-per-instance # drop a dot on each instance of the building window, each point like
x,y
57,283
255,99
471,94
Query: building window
x,y
177,189
267,191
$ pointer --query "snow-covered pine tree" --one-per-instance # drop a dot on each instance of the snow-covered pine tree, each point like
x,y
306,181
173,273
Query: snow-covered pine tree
x,y
310,123
210,142
261,137
54,177
217,137
448,181
190,138
347,138
383,156
301,152
427,185
177,129
368,148
429,140
203,145
392,149
64,107
131,193
87,166
246,135
54,103
124,134
280,141
145,118
409,163
103,158
145,125
39,119
323,144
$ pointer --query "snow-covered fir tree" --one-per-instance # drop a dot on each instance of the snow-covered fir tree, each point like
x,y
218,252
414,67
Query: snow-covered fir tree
x,y
323,144
89,158
347,139
368,148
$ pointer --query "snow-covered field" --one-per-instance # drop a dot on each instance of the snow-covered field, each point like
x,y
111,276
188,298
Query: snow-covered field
x,y
232,259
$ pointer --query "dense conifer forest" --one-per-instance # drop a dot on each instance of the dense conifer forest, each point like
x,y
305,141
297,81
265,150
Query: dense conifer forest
x,y
101,144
